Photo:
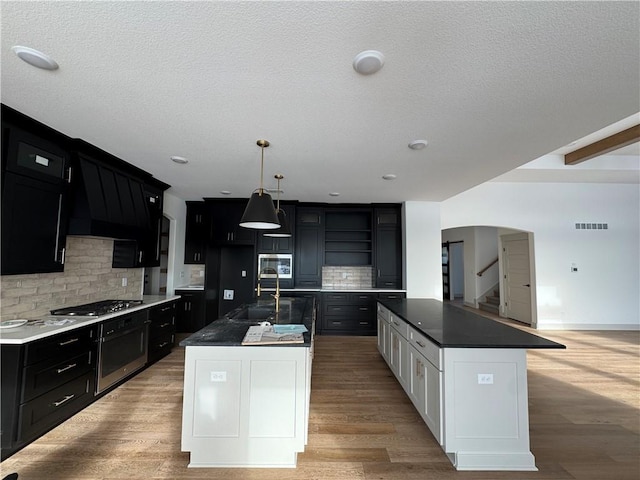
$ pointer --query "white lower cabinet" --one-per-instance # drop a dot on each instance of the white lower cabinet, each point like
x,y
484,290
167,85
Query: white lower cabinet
x,y
383,332
399,351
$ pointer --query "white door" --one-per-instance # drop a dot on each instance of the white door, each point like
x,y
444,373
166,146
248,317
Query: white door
x,y
517,277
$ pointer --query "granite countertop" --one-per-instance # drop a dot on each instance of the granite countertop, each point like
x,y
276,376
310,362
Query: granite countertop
x,y
38,329
337,289
229,332
449,326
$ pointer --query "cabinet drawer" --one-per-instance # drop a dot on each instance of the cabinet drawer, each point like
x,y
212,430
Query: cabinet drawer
x,y
392,296
55,406
162,313
43,376
399,326
352,325
63,346
426,348
160,346
383,312
162,327
336,297
349,310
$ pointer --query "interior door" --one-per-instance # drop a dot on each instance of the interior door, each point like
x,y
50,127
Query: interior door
x,y
517,277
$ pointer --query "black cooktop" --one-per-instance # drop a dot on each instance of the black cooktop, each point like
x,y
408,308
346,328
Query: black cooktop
x,y
95,309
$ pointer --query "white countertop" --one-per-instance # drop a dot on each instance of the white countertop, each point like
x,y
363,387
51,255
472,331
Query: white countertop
x,y
191,287
36,329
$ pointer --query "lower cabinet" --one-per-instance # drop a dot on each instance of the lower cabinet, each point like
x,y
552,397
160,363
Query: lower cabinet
x,y
190,316
348,313
44,383
162,330
417,364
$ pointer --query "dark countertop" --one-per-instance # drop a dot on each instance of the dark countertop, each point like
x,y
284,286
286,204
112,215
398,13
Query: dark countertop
x,y
229,332
449,326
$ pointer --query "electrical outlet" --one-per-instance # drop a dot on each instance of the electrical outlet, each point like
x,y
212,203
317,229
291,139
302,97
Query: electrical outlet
x,y
218,376
124,281
485,379
228,295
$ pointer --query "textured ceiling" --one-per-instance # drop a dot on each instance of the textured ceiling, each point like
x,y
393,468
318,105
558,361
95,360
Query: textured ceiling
x,y
490,85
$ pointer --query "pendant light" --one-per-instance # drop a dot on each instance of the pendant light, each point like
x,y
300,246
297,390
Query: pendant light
x,y
260,213
284,230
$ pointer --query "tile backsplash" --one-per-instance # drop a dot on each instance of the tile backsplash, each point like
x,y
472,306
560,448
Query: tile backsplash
x,y
347,277
87,277
196,276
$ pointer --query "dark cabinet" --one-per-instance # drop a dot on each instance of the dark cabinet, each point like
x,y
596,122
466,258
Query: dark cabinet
x,y
196,233
225,220
349,313
268,244
190,311
35,200
162,330
44,383
388,248
347,237
309,247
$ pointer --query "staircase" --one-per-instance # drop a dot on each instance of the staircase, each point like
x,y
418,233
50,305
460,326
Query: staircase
x,y
491,303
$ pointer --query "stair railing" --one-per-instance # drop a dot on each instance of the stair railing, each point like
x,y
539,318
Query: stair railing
x,y
487,267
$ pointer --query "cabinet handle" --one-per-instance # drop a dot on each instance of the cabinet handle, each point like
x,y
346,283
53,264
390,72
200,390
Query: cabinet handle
x,y
420,343
336,323
164,325
364,309
72,340
140,256
395,323
164,309
378,272
68,367
69,175
164,344
62,255
364,323
64,400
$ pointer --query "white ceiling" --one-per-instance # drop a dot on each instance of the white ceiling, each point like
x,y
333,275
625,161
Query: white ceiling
x,y
491,85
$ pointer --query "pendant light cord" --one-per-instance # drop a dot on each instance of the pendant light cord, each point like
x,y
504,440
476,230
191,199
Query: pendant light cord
x,y
261,169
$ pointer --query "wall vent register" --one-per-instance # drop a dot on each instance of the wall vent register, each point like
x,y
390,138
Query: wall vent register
x,y
592,226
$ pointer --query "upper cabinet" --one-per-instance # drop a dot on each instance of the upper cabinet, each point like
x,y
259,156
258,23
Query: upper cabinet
x,y
35,199
225,220
196,233
348,237
268,244
388,247
309,247
53,186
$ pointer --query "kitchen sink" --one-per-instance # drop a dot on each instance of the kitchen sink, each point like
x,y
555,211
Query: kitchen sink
x,y
257,313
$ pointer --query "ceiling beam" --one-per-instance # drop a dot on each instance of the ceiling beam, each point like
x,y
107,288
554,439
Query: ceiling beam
x,y
606,145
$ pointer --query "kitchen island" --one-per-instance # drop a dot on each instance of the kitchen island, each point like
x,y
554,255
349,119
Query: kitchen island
x,y
467,377
248,406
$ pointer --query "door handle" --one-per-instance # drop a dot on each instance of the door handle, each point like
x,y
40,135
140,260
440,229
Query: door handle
x,y
527,285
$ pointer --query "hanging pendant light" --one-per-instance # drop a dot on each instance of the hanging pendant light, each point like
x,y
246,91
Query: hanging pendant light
x,y
260,213
284,230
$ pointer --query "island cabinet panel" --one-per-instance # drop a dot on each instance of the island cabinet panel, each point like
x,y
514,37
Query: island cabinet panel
x,y
473,399
245,406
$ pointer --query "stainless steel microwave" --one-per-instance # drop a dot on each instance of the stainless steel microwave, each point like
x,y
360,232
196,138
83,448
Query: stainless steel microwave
x,y
273,265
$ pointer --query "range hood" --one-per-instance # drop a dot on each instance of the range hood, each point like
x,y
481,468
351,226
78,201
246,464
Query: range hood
x,y
108,196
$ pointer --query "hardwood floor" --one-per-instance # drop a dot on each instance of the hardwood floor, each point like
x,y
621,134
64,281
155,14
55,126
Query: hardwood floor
x,y
584,421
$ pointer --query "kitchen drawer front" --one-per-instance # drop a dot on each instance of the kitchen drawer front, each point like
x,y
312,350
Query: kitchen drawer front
x,y
42,377
363,326
55,406
399,326
65,345
383,312
429,350
163,327
160,346
359,311
162,313
392,296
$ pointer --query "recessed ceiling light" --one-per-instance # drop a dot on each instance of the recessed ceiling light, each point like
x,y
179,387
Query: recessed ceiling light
x,y
334,194
225,192
35,58
389,176
180,160
417,144
368,62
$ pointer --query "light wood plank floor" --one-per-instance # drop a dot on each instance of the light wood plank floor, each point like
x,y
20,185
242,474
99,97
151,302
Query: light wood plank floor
x,y
584,421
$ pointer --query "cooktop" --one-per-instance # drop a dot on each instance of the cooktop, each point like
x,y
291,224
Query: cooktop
x,y
102,307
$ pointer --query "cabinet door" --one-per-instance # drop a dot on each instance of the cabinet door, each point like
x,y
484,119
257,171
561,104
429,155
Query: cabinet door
x,y
399,357
33,226
190,311
268,244
309,248
388,248
416,388
225,224
432,413
383,338
196,233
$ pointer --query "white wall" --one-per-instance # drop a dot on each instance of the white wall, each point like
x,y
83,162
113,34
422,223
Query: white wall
x,y
604,292
422,250
175,209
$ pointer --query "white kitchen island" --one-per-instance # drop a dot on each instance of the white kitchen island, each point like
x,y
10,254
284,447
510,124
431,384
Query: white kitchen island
x,y
246,406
